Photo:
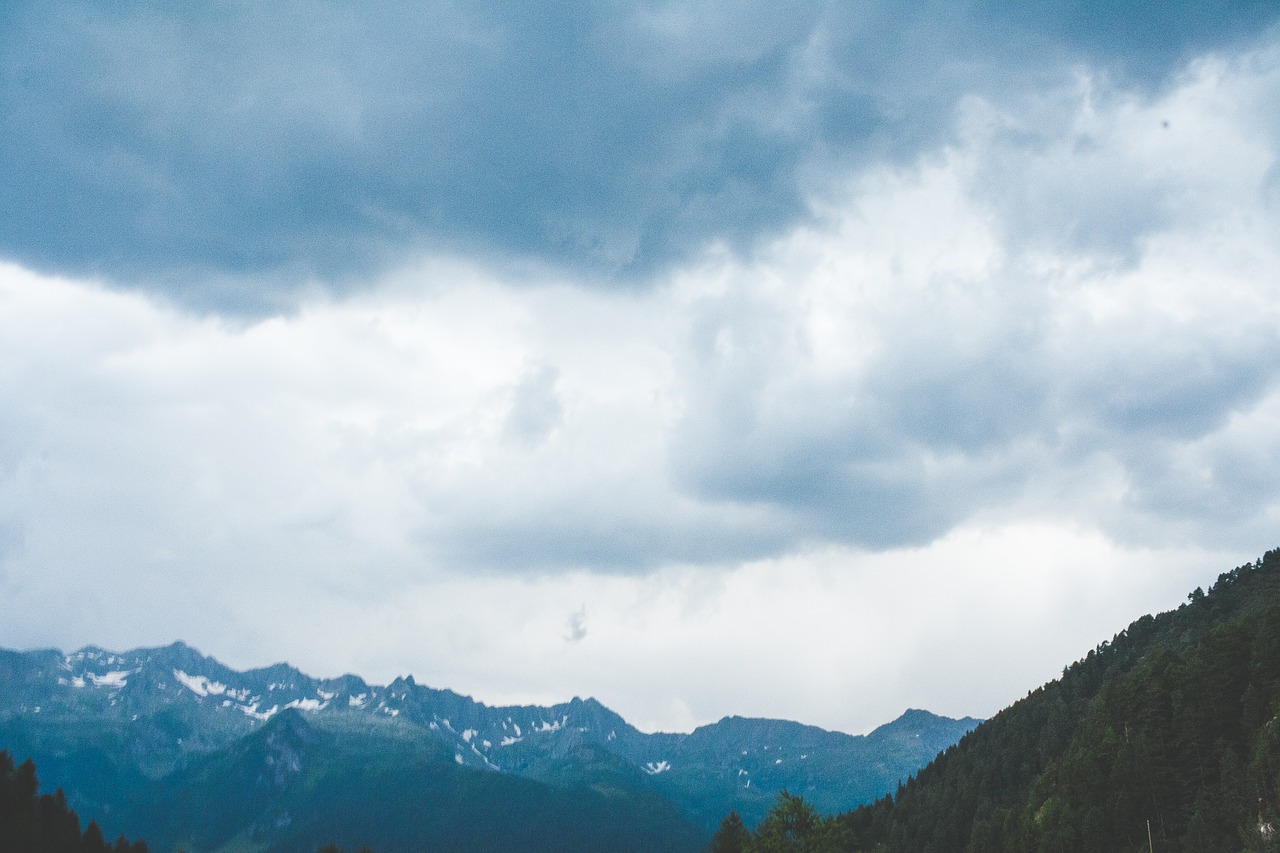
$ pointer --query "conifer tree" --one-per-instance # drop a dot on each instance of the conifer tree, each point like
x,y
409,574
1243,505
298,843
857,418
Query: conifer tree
x,y
731,837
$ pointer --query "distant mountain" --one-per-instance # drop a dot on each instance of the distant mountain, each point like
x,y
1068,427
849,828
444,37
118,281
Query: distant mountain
x,y
1165,737
146,740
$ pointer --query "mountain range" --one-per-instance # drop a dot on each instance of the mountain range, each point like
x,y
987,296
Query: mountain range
x,y
170,745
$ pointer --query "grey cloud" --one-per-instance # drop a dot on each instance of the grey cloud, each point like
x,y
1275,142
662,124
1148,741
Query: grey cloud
x,y
230,157
576,626
866,479
947,421
907,457
606,530
535,406
1185,389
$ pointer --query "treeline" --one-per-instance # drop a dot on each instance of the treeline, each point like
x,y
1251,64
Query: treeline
x,y
1166,737
790,825
43,823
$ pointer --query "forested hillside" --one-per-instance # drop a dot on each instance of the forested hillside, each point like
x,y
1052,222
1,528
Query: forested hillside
x,y
1173,725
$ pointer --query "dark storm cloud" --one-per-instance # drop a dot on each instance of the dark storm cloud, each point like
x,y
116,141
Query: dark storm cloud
x,y
227,154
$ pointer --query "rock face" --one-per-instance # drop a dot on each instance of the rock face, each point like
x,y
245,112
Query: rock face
x,y
97,720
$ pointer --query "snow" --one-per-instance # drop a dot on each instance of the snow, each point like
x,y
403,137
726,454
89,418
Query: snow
x,y
199,684
613,736
487,745
325,695
358,701
544,726
508,740
653,768
77,681
777,761
308,705
468,734
517,728
457,756
479,753
252,711
116,678
391,712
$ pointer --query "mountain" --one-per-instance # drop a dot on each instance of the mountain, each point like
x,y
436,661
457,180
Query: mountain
x,y
146,739
1165,737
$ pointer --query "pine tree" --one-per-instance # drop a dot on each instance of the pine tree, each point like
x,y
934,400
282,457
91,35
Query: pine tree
x,y
731,837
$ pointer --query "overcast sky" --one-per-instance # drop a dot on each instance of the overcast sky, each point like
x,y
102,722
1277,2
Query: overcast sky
x,y
798,359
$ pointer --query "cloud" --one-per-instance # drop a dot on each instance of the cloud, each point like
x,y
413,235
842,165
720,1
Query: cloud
x,y
913,360
978,349
236,160
535,407
928,356
577,625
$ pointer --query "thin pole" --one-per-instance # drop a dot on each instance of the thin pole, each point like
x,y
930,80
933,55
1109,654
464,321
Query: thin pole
x,y
1150,845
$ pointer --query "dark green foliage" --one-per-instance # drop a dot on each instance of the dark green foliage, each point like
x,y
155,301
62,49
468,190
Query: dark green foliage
x,y
731,837
1175,722
42,823
790,826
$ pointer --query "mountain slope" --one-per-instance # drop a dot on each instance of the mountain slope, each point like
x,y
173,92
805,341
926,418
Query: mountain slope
x,y
292,786
1175,722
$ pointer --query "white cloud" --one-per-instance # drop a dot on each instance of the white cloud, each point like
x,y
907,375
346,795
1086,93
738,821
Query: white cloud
x,y
1029,378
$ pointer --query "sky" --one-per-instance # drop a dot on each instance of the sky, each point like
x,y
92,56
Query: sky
x,y
801,360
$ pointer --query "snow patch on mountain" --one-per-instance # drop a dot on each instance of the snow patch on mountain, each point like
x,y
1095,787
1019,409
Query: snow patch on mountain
x,y
312,705
199,684
544,727
115,679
